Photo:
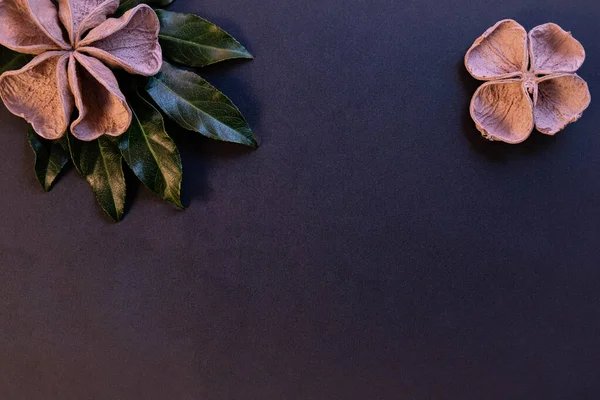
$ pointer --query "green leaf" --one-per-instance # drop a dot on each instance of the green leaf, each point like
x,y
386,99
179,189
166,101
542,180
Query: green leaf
x,y
50,158
196,42
129,4
11,60
197,106
150,153
100,163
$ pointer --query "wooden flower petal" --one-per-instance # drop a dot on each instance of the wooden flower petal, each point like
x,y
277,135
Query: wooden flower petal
x,y
129,42
102,107
79,16
501,52
30,26
503,111
561,100
554,50
39,92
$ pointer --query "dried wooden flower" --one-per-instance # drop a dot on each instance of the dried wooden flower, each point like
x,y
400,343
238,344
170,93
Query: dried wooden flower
x,y
531,81
67,66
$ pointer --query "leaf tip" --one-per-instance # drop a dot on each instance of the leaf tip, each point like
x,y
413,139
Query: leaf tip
x,y
177,203
252,143
116,218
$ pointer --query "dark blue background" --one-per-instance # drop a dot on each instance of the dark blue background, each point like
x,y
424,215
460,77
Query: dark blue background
x,y
374,247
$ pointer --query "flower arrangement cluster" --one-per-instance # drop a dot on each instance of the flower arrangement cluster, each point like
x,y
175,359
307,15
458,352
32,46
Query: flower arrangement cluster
x,y
60,64
66,66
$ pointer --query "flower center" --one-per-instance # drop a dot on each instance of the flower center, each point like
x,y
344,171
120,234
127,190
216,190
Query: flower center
x,y
530,81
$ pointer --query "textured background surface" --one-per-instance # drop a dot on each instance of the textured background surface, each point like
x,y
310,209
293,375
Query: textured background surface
x,y
374,247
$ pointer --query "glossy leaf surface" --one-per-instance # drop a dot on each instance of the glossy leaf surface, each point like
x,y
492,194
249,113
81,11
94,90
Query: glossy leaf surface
x,y
51,156
196,42
101,164
149,151
197,106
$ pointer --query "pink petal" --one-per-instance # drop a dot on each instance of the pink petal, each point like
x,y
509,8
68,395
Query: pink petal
x,y
129,42
554,50
30,26
39,92
501,52
502,110
79,16
562,99
102,107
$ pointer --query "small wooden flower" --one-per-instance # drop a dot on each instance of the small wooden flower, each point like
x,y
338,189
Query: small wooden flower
x,y
75,44
531,81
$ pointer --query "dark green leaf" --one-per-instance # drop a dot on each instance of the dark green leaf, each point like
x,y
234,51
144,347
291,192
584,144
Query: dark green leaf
x,y
100,163
191,40
50,158
196,105
129,4
150,152
11,60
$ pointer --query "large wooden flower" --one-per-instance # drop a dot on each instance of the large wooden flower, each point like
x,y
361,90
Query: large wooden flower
x,y
532,81
75,45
